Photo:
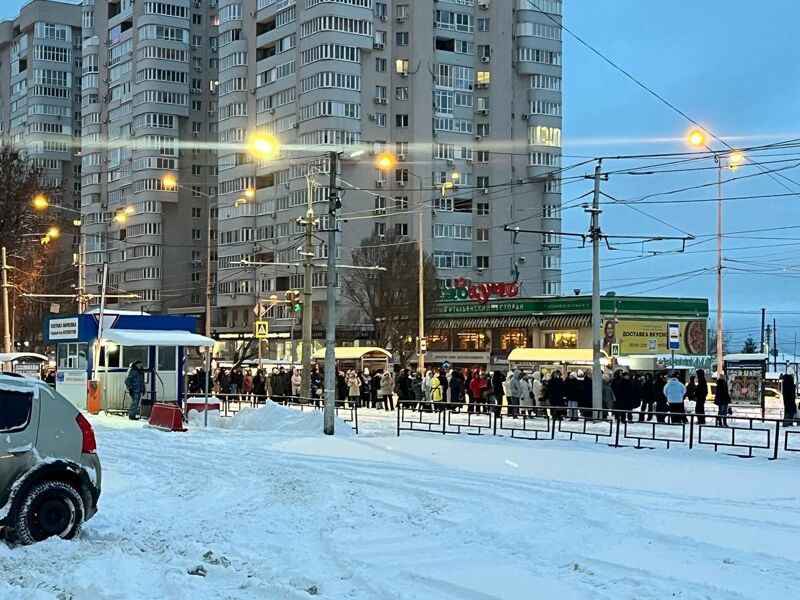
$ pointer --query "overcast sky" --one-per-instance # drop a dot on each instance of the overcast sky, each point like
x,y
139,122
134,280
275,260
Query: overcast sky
x,y
729,65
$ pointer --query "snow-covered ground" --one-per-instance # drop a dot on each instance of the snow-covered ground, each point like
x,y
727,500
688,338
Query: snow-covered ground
x,y
295,514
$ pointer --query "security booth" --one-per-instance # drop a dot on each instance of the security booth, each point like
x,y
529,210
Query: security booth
x,y
160,342
547,360
28,364
356,358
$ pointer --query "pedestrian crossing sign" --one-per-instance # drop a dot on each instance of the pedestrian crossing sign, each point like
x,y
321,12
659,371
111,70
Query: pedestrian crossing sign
x,y
262,329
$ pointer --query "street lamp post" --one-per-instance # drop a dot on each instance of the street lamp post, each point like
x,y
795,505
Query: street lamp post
x,y
731,160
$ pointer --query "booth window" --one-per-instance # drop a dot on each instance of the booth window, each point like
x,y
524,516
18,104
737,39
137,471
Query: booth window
x,y
134,353
563,340
471,340
72,356
15,409
438,339
167,358
110,356
513,338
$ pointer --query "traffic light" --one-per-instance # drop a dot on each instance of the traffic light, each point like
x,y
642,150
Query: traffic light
x,y
423,346
293,298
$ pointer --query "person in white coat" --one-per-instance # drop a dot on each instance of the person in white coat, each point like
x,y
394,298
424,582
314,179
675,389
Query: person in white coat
x,y
538,394
427,385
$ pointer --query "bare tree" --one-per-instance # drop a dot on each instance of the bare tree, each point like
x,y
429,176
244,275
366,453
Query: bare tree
x,y
390,299
34,267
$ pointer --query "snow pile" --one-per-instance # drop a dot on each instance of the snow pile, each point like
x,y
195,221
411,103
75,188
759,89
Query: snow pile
x,y
275,418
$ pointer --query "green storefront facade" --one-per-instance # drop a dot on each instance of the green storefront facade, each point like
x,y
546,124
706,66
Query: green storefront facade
x,y
468,333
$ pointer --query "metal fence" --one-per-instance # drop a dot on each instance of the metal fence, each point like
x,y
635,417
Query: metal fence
x,y
741,435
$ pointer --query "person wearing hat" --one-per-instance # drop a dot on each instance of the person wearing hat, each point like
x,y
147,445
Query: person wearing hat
x,y
134,382
788,389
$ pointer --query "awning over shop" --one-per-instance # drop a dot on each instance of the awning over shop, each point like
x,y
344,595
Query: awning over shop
x,y
565,322
552,355
483,323
146,337
352,352
14,356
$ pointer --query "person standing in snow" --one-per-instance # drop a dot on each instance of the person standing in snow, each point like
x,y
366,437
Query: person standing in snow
x,y
498,382
525,395
609,399
789,391
555,392
386,390
722,398
341,386
647,398
247,385
537,387
661,400
700,394
297,382
134,383
353,388
514,393
316,386
675,392
476,387
573,391
427,385
457,390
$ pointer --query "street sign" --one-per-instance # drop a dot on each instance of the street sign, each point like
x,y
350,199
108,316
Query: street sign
x,y
614,350
446,365
674,336
262,330
259,310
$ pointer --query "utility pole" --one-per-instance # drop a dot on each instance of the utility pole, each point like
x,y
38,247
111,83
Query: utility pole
x,y
763,321
308,274
208,271
81,290
596,235
330,297
421,344
720,360
6,322
775,344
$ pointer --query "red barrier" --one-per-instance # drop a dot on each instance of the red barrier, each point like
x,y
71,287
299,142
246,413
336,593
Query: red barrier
x,y
199,404
167,417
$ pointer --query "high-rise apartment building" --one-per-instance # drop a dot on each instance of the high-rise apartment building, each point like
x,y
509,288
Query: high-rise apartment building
x,y
460,91
149,109
40,94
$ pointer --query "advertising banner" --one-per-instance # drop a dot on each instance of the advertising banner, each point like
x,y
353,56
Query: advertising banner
x,y
744,384
652,337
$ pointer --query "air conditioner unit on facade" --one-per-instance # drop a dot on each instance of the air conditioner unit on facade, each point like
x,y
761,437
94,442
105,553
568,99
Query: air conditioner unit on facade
x,y
485,59
378,45
401,157
379,184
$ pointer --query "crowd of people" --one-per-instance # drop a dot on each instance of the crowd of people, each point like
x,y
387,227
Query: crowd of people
x,y
660,396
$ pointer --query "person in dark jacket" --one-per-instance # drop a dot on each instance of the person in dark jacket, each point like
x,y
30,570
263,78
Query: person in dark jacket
x,y
497,391
316,386
375,388
443,383
691,388
573,392
134,383
662,406
722,398
648,398
260,386
700,394
404,387
341,387
276,384
555,395
457,389
789,391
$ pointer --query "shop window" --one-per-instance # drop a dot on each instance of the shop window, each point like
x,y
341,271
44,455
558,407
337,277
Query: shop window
x,y
471,340
110,356
561,339
513,338
438,339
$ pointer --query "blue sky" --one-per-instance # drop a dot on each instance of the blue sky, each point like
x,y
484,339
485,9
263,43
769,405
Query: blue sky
x,y
730,66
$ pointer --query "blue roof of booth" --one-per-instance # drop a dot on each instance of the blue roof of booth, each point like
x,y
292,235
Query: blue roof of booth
x,y
84,328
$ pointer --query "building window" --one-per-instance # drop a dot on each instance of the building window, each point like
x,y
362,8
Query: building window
x,y
482,129
401,229
513,338
401,66
401,38
561,339
471,340
380,92
196,234
380,65
401,120
482,209
401,93
196,212
482,262
484,24
438,339
481,235
380,229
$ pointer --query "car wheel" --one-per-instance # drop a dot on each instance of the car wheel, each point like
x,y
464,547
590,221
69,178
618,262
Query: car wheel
x,y
49,509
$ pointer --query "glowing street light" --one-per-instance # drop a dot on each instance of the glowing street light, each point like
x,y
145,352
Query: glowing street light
x,y
385,161
735,159
40,202
53,232
697,137
169,181
262,146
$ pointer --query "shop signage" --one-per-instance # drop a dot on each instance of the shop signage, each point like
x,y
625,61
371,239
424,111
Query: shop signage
x,y
63,329
28,369
480,292
654,337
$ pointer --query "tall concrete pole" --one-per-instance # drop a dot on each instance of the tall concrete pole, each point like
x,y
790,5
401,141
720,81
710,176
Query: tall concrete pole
x,y
597,382
208,273
308,275
719,267
421,280
6,321
330,297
